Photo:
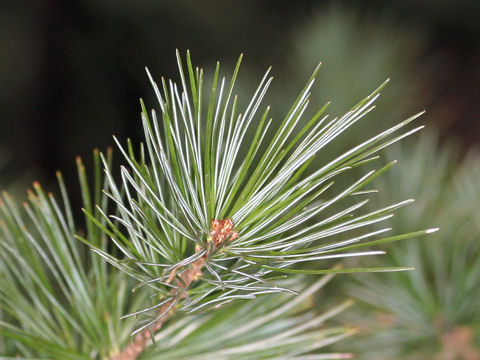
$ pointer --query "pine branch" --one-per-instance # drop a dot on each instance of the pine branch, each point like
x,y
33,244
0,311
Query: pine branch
x,y
191,208
273,326
33,329
200,218
142,338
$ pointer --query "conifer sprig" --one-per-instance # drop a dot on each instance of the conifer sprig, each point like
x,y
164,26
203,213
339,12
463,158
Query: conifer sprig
x,y
202,202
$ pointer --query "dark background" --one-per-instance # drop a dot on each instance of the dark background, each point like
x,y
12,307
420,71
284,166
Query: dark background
x,y
71,72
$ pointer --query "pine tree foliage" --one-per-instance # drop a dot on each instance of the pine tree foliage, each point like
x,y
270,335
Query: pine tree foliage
x,y
200,216
190,174
274,326
61,301
434,310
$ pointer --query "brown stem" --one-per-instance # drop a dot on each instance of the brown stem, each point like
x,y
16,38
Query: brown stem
x,y
141,340
222,231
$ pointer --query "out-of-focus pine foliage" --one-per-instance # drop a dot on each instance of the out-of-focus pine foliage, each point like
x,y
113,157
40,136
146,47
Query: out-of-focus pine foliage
x,y
361,51
432,312
58,299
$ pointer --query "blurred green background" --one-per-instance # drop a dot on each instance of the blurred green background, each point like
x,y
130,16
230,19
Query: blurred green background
x,y
71,74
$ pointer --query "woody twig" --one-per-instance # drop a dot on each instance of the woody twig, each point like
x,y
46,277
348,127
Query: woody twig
x,y
221,232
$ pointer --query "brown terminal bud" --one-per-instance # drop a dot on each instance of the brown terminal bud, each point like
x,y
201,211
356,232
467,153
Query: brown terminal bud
x,y
222,231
